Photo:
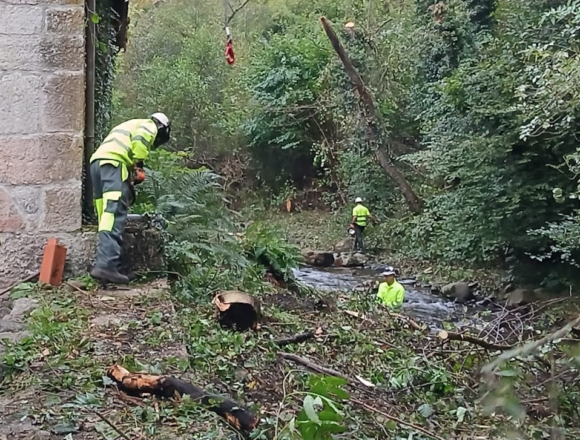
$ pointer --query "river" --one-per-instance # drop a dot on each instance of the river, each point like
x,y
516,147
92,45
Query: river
x,y
419,303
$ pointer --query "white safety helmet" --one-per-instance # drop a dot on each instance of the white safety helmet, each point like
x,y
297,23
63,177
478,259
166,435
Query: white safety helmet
x,y
358,200
163,129
161,118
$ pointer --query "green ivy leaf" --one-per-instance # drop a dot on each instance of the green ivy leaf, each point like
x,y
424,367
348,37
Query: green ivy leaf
x,y
426,410
310,410
95,18
506,373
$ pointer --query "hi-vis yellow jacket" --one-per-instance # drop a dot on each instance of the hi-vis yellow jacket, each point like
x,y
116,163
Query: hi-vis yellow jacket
x,y
128,142
361,213
392,296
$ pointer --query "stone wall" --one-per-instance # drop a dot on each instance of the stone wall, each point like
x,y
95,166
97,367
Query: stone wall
x,y
42,90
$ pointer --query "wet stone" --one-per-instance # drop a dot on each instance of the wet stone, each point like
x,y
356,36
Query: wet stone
x,y
21,308
10,326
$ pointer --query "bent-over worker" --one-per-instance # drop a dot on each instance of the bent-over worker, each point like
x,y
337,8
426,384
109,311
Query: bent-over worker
x,y
119,156
391,293
360,219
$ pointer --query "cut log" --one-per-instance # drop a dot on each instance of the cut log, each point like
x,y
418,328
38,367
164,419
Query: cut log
x,y
445,335
138,384
237,310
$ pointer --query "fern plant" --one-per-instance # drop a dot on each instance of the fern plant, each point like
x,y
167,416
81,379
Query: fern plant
x,y
272,250
200,246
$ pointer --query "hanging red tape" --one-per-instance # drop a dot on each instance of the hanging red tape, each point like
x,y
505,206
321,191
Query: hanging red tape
x,y
230,58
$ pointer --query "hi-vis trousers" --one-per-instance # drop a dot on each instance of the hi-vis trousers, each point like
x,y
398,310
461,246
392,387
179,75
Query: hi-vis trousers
x,y
111,194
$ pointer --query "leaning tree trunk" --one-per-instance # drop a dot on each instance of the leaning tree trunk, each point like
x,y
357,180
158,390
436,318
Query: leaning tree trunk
x,y
413,201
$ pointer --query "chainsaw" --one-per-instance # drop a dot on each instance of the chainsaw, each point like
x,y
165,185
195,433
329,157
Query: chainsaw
x,y
137,177
153,220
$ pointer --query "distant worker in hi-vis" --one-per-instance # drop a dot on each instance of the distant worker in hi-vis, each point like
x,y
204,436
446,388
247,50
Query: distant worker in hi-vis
x,y
360,218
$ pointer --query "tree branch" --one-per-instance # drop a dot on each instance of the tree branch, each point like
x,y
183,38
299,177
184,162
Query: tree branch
x,y
235,11
530,347
397,420
451,336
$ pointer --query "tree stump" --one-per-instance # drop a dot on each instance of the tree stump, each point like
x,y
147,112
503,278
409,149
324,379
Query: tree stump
x,y
237,310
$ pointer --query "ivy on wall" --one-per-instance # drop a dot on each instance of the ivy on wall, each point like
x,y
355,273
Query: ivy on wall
x,y
105,54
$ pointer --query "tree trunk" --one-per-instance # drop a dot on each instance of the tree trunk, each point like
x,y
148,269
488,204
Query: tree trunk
x,y
414,203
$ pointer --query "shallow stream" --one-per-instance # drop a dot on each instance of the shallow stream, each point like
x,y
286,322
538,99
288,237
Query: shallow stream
x,y
419,303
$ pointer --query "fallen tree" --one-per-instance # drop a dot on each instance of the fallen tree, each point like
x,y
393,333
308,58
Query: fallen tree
x,y
138,384
383,157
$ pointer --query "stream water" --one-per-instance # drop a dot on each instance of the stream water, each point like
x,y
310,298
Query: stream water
x,y
419,303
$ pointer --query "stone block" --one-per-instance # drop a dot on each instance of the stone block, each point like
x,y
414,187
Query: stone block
x,y
21,52
20,113
143,250
65,2
80,252
10,219
49,52
21,308
22,2
62,208
21,254
62,52
20,19
26,198
64,102
20,257
43,2
69,20
42,159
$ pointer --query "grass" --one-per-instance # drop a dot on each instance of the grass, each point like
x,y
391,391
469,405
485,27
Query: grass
x,y
57,377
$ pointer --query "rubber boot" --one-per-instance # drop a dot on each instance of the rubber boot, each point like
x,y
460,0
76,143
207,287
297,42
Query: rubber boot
x,y
132,276
109,276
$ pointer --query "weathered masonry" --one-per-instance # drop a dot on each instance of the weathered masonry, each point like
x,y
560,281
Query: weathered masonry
x,y
42,122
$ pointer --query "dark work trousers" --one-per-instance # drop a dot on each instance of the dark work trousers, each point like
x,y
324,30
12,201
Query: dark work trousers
x,y
111,194
358,238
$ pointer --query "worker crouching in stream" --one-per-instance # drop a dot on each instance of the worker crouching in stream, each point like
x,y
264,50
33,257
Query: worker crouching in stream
x,y
391,293
117,159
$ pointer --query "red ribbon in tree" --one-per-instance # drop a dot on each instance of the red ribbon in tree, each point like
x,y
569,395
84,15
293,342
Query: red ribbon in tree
x,y
230,58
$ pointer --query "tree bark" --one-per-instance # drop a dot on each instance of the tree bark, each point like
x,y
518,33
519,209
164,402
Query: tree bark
x,y
414,203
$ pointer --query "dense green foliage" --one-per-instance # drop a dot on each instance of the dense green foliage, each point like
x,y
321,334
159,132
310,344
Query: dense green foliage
x,y
477,105
201,245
